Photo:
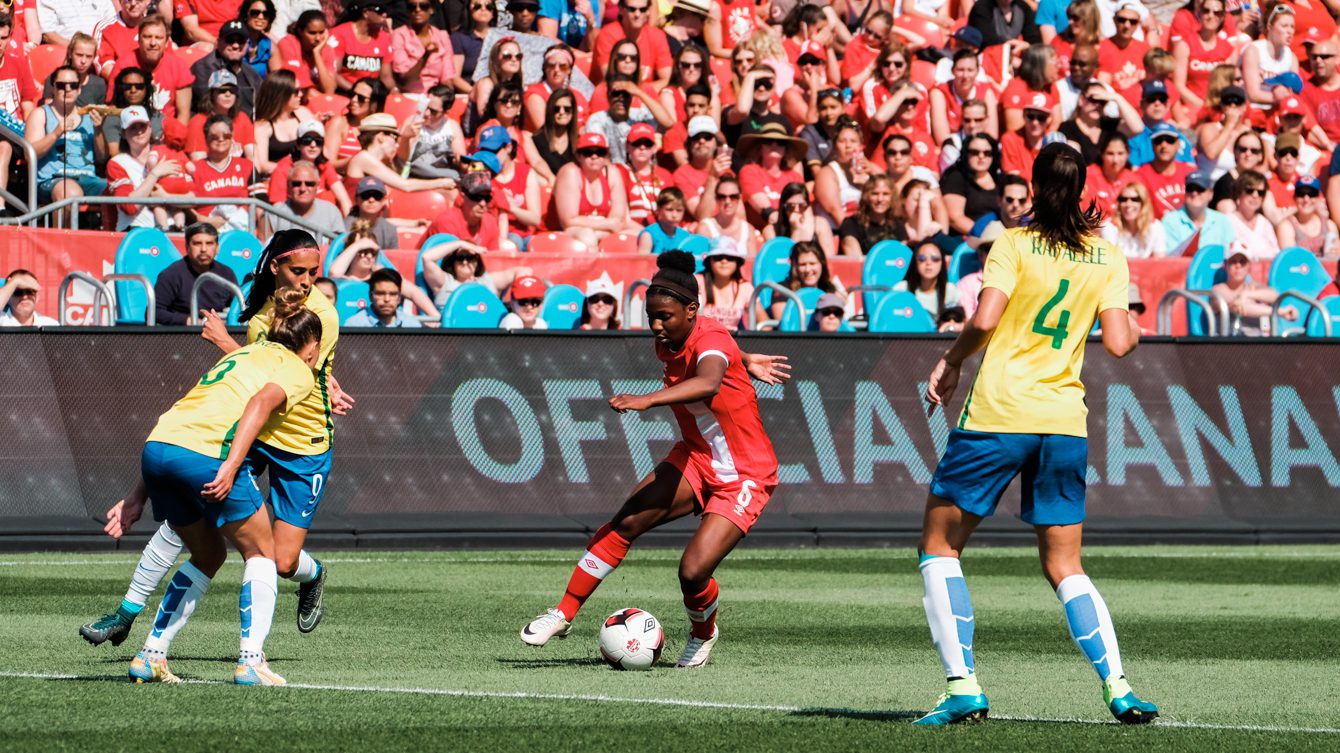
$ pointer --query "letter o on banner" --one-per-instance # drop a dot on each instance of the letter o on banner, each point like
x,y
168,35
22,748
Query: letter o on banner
x,y
463,403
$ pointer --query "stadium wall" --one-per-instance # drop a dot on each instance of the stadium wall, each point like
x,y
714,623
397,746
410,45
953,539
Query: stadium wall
x,y
505,440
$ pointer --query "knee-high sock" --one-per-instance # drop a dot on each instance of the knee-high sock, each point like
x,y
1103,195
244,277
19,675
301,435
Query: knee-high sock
x,y
702,609
307,570
603,553
949,613
256,603
179,599
1090,625
155,561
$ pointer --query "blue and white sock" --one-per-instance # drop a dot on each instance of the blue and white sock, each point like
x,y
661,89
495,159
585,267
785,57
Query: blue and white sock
x,y
183,592
256,605
307,570
1090,625
949,613
158,557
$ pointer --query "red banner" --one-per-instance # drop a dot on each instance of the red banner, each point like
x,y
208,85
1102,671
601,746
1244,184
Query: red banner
x,y
52,254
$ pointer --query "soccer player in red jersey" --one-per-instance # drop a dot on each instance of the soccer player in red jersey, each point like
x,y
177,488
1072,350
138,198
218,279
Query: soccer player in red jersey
x,y
722,469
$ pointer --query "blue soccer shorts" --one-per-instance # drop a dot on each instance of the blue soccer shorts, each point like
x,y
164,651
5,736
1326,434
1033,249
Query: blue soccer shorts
x,y
174,477
297,482
977,467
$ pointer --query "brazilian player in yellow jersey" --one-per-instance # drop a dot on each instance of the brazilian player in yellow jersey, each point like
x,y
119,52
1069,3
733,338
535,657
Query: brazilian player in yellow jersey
x,y
295,448
1043,287
189,465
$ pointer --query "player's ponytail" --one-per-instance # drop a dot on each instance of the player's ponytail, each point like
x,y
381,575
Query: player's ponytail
x,y
281,244
294,325
1058,186
675,277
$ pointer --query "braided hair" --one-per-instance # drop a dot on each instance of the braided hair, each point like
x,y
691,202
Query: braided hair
x,y
675,277
281,244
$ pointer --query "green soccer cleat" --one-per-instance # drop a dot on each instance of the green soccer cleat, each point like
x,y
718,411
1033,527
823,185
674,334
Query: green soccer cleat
x,y
962,702
310,605
114,627
1124,705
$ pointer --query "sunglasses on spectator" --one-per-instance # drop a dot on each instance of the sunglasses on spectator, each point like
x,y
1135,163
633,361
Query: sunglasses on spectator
x,y
510,101
229,89
1208,12
1126,21
1322,56
228,136
420,6
1233,101
259,13
1288,151
562,109
310,139
356,97
1306,193
894,63
809,60
66,86
608,300
235,39
1254,192
1164,140
560,65
622,56
694,65
637,8
1248,149
591,153
764,84
25,292
374,195
643,144
980,153
928,257
830,311
1190,189
530,303
510,56
433,111
1158,98
133,85
480,6
1015,200
1129,200
479,198
728,196
896,153
796,206
1037,117
302,184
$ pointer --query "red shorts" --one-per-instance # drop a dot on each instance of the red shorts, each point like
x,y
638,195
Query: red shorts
x,y
740,501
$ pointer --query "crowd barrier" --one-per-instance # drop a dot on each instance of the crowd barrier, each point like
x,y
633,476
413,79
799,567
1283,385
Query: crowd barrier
x,y
506,440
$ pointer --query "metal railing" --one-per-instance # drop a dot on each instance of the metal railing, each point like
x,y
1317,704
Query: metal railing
x,y
102,296
44,213
1201,298
751,316
151,300
194,316
1312,304
12,136
628,298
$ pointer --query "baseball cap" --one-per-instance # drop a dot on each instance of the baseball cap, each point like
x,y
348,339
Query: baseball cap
x,y
1200,179
487,159
1230,92
1287,78
1287,141
591,140
811,47
132,115
829,301
233,28
370,184
1038,101
222,78
1312,35
477,186
523,3
970,36
1292,106
1238,254
702,124
1307,181
604,285
1134,5
527,287
641,131
1154,87
493,138
311,128
1164,128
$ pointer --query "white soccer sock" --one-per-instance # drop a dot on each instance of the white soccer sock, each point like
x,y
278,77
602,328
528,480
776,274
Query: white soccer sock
x,y
307,570
256,603
183,592
1090,625
949,613
155,561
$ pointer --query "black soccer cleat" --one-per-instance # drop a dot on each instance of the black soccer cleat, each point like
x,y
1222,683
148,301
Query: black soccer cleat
x,y
310,605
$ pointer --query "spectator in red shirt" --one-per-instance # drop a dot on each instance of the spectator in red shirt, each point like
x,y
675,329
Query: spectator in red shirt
x,y
172,79
476,220
1197,55
118,34
858,59
311,147
1106,177
697,177
948,99
903,114
1322,94
556,73
1019,148
223,174
364,46
589,197
674,144
1038,73
635,24
770,156
691,69
306,53
222,101
1165,177
1281,179
643,179
18,94
202,19
800,102
1122,56
729,23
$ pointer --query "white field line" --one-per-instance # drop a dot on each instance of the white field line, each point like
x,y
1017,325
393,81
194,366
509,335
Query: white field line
x,y
699,704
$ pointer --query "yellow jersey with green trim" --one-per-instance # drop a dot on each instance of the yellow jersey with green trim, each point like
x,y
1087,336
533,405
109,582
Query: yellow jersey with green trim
x,y
204,420
308,428
1029,382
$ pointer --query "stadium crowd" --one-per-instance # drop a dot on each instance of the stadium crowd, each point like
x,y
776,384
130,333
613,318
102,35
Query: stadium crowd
x,y
644,125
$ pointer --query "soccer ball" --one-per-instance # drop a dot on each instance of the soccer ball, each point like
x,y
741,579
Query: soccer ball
x,y
631,639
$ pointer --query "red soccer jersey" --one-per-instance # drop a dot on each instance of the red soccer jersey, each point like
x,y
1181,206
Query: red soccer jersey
x,y
1126,67
1018,95
125,174
541,89
511,194
924,151
755,180
212,14
1202,61
725,430
643,190
1281,190
1015,156
1167,191
16,83
359,60
1064,50
19,34
690,180
954,105
650,41
452,222
279,179
1325,106
857,56
290,58
244,133
170,75
1185,25
738,21
229,180
116,41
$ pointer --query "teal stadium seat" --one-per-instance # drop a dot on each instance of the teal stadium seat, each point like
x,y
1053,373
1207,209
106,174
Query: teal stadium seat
x,y
239,251
901,312
699,246
792,320
354,297
235,309
1206,269
144,251
963,262
472,306
562,306
436,239
1298,269
1331,310
772,263
885,265
337,245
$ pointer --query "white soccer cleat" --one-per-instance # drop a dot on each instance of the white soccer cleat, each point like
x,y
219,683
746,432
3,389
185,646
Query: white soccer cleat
x,y
551,624
698,649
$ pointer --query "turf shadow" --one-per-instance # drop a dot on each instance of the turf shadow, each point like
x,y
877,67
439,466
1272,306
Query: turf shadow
x,y
866,715
575,661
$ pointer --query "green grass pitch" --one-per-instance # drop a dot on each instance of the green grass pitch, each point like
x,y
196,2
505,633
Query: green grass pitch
x,y
821,650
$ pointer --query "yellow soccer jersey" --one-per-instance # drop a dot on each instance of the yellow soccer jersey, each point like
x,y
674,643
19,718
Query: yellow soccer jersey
x,y
1029,382
204,420
308,428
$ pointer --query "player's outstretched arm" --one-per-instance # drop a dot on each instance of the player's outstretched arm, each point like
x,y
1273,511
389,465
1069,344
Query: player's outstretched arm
x,y
216,331
121,516
1121,331
974,336
269,399
703,385
767,369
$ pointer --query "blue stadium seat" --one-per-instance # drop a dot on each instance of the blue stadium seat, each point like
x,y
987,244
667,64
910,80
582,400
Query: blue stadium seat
x,y
145,251
1298,269
772,263
963,263
337,245
887,265
354,297
562,306
1207,268
235,309
791,320
472,306
1331,309
698,245
900,311
239,251
436,239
